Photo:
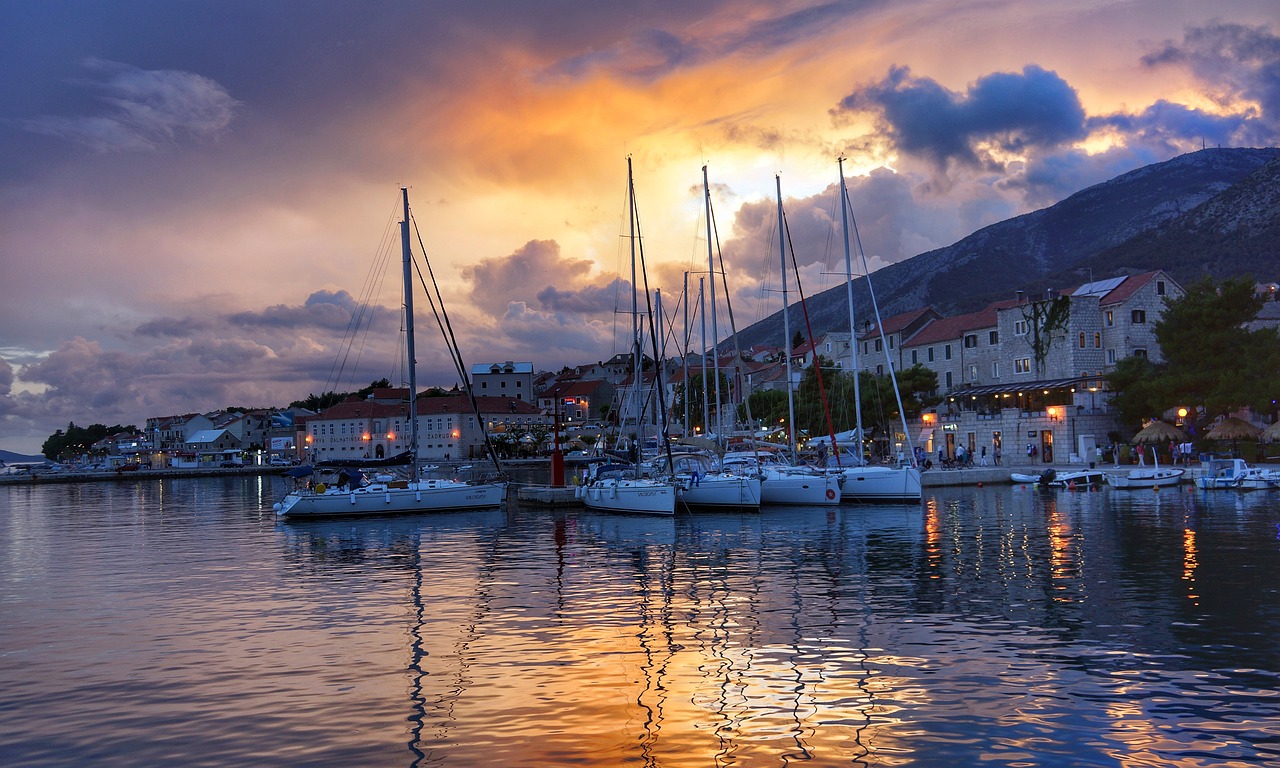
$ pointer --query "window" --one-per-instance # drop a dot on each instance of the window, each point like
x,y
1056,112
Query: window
x,y
915,358
879,347
880,370
993,338
973,373
948,379
931,354
995,369
1111,357
1139,316
1082,339
971,341
1097,340
1159,287
1022,365
1020,328
890,342
947,351
1111,318
1140,352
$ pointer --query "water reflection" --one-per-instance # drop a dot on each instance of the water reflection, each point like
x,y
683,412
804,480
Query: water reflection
x,y
1006,626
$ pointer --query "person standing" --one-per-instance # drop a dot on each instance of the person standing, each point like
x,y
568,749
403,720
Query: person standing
x,y
984,456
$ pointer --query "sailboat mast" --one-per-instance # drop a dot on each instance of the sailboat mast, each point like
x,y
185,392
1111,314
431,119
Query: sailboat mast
x,y
685,356
702,318
786,324
411,355
635,316
715,331
853,327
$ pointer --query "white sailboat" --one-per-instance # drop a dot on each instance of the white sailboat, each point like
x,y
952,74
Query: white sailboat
x,y
625,489
789,483
387,495
864,482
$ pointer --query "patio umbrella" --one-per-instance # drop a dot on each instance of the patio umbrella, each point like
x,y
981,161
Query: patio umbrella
x,y
1271,434
1158,432
1233,428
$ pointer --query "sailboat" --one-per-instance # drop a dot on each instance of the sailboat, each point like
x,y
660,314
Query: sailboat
x,y
786,483
622,488
387,495
703,482
865,482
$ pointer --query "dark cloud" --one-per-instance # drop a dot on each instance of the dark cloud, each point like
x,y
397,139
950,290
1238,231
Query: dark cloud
x,y
1235,63
592,299
1033,109
1175,126
146,110
524,275
6,377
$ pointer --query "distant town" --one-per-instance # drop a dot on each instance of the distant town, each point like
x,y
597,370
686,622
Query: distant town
x,y
1026,374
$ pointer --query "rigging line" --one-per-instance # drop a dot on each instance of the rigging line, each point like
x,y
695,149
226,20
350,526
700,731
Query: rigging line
x,y
362,314
902,414
658,393
451,342
733,328
804,307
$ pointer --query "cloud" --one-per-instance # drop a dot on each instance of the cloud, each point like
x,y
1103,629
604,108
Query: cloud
x,y
652,53
150,109
1239,65
591,299
1014,112
530,272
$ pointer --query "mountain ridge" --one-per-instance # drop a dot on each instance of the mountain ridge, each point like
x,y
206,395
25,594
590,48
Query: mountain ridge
x,y
1226,198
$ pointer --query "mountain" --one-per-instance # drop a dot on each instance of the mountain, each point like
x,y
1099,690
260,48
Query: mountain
x,y
9,457
1214,212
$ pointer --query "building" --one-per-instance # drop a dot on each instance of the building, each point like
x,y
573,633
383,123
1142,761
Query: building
x,y
577,401
509,379
1026,375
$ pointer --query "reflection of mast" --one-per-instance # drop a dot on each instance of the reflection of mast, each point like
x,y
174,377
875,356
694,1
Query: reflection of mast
x,y
445,701
654,668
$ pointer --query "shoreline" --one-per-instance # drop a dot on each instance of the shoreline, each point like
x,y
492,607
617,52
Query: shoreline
x,y
932,478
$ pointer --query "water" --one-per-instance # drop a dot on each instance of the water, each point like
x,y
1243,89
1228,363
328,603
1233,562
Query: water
x,y
176,622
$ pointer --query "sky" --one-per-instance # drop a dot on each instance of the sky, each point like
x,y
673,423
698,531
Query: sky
x,y
198,200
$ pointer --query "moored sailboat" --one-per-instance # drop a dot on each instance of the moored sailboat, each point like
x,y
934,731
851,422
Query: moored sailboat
x,y
866,482
624,488
388,495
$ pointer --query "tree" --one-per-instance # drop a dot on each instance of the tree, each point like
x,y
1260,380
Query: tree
x,y
1137,392
1046,321
691,389
1211,358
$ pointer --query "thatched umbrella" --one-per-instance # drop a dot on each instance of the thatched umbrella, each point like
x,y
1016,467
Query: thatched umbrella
x,y
1158,432
1271,434
1232,428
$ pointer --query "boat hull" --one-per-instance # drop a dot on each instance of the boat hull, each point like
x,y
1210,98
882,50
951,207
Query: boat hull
x,y
391,499
627,496
1146,478
889,484
718,491
783,488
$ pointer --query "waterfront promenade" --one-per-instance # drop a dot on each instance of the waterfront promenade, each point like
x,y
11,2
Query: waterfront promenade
x,y
931,478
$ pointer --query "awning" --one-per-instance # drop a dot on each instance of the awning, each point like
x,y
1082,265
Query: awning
x,y
925,436
1024,386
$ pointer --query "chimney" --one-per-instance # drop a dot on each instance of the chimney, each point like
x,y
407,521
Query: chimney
x,y
1019,295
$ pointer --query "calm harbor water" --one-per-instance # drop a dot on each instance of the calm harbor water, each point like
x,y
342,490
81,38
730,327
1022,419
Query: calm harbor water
x,y
177,622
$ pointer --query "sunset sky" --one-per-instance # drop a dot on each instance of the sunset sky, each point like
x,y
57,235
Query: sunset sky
x,y
193,194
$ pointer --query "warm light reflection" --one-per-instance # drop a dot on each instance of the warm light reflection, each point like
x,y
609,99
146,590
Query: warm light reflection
x,y
1189,563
